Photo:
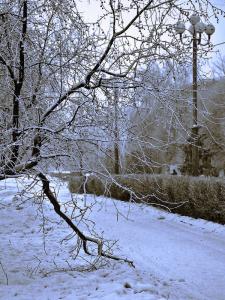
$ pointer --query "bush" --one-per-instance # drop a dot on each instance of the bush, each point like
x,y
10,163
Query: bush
x,y
76,184
198,197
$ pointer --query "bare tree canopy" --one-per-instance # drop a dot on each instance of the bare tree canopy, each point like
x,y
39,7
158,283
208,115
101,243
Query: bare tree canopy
x,y
56,71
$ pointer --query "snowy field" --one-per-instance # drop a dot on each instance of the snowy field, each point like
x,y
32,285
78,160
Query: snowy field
x,y
175,257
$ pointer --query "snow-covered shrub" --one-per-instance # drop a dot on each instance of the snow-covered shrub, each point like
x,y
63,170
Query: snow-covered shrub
x,y
77,184
198,197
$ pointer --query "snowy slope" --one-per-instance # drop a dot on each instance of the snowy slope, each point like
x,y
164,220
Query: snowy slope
x,y
175,257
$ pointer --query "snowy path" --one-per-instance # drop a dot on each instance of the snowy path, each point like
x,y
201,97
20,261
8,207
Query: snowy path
x,y
176,258
197,259
177,249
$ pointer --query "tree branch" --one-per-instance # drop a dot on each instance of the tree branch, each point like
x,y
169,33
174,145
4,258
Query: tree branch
x,y
85,239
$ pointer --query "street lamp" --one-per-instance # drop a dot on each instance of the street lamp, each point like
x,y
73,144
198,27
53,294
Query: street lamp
x,y
196,30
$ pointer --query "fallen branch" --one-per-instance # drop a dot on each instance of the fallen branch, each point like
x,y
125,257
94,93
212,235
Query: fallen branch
x,y
85,239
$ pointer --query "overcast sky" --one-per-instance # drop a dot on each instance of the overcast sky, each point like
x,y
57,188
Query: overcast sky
x,y
91,11
219,35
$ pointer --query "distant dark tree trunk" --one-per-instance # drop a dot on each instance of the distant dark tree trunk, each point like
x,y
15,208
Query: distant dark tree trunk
x,y
116,136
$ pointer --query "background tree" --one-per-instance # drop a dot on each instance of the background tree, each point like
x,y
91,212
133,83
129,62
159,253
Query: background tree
x,y
159,119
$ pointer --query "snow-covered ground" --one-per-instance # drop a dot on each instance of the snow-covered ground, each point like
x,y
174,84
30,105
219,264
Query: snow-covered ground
x,y
175,257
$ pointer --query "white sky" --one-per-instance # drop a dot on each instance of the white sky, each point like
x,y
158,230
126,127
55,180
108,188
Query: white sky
x,y
91,11
219,35
90,8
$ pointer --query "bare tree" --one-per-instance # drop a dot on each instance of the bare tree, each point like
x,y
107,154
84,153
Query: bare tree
x,y
55,65
219,66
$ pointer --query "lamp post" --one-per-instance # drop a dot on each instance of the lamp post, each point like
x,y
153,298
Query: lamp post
x,y
196,29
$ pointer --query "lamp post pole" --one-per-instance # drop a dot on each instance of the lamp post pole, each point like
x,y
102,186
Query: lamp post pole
x,y
196,29
195,152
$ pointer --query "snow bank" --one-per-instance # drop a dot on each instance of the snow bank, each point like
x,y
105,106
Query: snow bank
x,y
175,257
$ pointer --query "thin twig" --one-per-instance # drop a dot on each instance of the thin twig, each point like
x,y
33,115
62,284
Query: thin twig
x,y
6,275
